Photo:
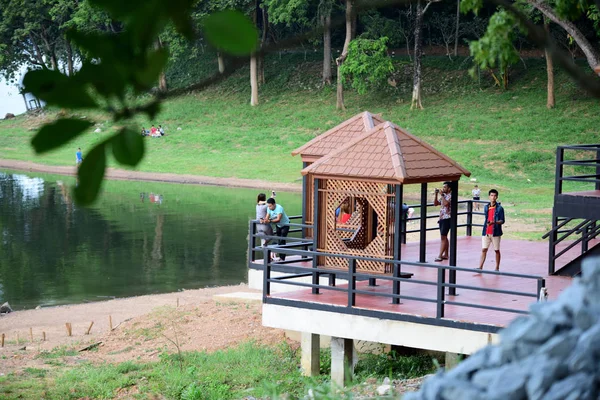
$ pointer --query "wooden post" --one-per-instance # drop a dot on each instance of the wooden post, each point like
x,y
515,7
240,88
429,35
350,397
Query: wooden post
x,y
43,336
2,340
110,322
178,302
89,328
31,334
68,325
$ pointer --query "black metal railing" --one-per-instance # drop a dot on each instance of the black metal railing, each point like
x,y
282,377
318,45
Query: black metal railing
x,y
581,230
351,290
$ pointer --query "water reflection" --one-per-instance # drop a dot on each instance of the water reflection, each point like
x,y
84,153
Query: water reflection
x,y
140,238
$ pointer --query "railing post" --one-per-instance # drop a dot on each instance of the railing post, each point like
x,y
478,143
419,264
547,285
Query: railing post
x,y
315,260
440,292
598,169
266,273
470,218
551,245
351,282
453,233
304,199
560,152
396,284
251,241
584,238
423,224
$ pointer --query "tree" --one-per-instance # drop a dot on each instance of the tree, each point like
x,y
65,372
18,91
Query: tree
x,y
367,64
340,60
416,93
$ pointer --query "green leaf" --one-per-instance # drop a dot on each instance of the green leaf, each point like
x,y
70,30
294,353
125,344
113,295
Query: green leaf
x,y
90,175
156,62
57,89
54,135
231,32
128,147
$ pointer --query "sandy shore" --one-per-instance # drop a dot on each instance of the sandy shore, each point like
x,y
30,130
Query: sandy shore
x,y
121,174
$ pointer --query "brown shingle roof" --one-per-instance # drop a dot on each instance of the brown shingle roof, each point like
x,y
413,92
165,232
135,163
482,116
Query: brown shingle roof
x,y
390,154
344,132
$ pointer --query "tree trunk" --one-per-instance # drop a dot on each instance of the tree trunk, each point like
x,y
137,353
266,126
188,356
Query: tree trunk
x,y
591,55
221,62
416,94
550,71
457,26
340,60
38,52
162,78
263,43
69,57
253,81
327,49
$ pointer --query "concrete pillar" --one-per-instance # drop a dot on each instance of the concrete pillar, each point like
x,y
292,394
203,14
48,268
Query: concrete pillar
x,y
310,360
342,369
452,360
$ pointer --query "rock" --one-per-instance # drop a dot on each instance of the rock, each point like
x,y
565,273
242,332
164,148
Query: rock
x,y
509,383
542,378
9,116
97,130
575,387
560,346
5,308
461,390
383,389
178,128
38,307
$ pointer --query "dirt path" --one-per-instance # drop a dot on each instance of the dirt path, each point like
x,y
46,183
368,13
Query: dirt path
x,y
121,174
143,327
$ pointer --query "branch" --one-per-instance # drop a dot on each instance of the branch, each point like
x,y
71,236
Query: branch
x,y
539,36
429,3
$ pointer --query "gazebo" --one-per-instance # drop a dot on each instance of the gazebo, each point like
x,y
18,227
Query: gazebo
x,y
365,175
324,144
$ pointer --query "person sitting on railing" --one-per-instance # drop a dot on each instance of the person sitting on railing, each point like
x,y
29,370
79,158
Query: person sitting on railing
x,y
492,230
276,215
261,214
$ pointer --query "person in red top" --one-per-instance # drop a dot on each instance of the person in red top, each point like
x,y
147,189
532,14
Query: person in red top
x,y
154,131
492,230
344,214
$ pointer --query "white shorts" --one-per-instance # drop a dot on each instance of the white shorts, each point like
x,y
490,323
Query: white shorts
x,y
487,239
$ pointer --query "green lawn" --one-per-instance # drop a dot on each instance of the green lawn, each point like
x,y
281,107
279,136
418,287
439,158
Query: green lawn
x,y
507,139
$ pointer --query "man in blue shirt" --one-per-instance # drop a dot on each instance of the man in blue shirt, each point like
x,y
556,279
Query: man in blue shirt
x,y
78,157
276,215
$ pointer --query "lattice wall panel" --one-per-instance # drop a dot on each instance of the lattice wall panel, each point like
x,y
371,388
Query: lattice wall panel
x,y
365,194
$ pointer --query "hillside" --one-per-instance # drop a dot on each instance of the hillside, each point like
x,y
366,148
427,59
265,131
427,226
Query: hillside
x,y
505,138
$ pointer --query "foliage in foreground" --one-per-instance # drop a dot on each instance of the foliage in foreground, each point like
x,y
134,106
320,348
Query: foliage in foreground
x,y
247,370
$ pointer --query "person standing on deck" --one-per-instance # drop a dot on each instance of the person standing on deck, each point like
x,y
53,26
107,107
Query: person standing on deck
x,y
444,221
492,230
476,193
276,215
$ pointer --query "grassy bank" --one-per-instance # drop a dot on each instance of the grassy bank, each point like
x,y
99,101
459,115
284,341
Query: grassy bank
x,y
247,370
507,139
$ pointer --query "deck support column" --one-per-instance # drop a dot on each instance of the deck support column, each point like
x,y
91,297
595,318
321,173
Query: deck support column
x,y
315,260
452,360
310,359
342,368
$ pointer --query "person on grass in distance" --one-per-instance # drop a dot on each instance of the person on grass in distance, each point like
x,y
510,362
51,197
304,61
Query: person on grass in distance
x,y
492,230
78,157
444,221
276,215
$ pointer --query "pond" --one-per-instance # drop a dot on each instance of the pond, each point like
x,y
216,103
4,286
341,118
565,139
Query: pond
x,y
139,238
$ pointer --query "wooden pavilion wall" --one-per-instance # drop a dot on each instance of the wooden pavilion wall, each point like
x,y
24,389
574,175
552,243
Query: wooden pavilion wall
x,y
367,199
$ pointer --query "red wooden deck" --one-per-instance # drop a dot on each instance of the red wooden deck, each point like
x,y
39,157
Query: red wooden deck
x,y
518,256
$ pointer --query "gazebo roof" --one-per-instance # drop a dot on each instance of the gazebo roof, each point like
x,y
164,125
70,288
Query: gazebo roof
x,y
389,154
337,136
